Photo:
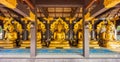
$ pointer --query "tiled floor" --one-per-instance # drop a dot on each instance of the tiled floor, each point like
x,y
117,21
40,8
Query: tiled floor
x,y
60,60
58,53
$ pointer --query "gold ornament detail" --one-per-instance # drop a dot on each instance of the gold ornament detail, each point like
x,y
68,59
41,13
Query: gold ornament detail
x,y
53,26
78,26
40,26
70,20
110,3
9,3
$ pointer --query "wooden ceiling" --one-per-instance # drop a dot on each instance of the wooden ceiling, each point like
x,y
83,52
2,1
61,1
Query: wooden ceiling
x,y
7,12
59,12
111,13
60,8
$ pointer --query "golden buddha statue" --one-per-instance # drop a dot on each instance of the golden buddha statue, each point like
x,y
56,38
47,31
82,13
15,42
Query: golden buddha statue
x,y
80,35
59,37
10,37
40,29
80,39
109,40
25,43
79,30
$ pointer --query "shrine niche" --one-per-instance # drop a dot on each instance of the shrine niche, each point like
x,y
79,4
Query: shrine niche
x,y
78,29
39,35
59,28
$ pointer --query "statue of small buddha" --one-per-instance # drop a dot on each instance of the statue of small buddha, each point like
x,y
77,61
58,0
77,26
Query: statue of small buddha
x,y
109,40
79,29
10,37
59,37
80,35
40,29
80,38
39,36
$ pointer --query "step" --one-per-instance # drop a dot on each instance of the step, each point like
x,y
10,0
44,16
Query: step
x,y
59,47
62,45
9,47
52,42
29,47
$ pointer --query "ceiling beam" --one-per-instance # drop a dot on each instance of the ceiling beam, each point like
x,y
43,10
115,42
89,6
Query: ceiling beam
x,y
117,6
61,12
100,8
20,8
44,11
5,12
59,3
74,11
30,4
58,6
2,5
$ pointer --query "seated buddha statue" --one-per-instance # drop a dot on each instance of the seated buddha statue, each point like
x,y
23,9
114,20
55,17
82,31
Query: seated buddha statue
x,y
59,38
80,38
109,40
93,43
40,27
25,43
59,35
10,37
39,36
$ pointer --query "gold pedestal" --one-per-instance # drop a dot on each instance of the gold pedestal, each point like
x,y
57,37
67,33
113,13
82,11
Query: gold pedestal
x,y
55,45
26,44
7,44
112,44
92,44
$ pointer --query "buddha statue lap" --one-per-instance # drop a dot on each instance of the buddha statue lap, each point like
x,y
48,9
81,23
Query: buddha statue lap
x,y
59,37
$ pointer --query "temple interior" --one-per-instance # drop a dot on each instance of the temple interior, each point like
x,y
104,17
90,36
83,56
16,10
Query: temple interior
x,y
57,25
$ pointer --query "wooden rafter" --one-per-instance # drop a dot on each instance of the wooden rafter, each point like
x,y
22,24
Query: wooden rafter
x,y
74,11
59,3
44,11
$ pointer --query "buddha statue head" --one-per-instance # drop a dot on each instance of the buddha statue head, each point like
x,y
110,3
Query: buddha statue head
x,y
60,27
109,28
10,28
